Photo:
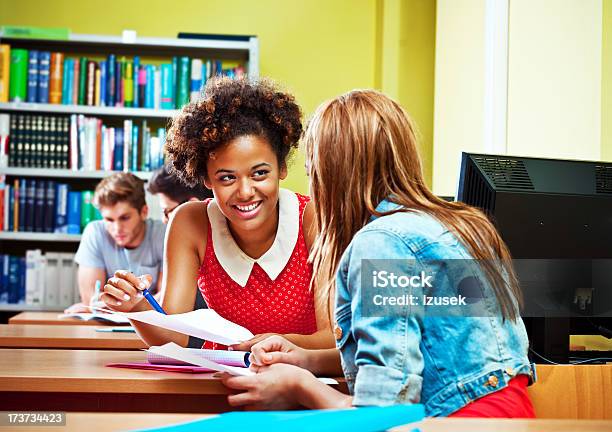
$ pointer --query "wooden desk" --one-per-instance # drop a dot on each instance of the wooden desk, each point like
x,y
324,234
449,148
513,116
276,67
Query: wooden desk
x,y
573,392
52,318
105,422
62,336
69,380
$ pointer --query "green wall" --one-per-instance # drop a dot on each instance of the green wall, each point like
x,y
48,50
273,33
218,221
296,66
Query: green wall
x,y
314,48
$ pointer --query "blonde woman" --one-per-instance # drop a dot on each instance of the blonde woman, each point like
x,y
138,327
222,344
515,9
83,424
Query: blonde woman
x,y
455,365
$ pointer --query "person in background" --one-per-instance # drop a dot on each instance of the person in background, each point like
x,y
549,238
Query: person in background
x,y
125,238
171,192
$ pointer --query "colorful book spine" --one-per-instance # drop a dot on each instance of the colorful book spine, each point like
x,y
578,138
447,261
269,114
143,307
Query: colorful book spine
x,y
87,208
156,88
174,81
196,79
128,85
82,80
166,86
110,85
33,59
183,82
18,73
142,86
66,83
39,205
97,87
70,84
90,83
74,212
61,208
5,67
43,77
135,152
20,220
29,209
119,71
5,130
55,78
118,150
135,75
76,73
103,83
48,222
149,88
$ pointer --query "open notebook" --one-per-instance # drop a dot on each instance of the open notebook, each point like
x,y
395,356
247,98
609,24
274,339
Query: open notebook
x,y
102,317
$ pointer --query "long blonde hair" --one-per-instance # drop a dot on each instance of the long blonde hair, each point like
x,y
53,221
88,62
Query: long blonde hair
x,y
361,148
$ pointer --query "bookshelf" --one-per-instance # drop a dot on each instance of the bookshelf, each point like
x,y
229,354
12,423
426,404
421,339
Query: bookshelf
x,y
240,53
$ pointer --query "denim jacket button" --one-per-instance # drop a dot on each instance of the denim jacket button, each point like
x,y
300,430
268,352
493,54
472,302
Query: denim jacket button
x,y
509,371
493,381
337,332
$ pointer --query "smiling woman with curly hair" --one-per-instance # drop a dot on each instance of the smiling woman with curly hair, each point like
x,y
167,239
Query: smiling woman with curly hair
x,y
247,247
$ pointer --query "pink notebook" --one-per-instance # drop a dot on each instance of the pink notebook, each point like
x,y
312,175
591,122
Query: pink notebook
x,y
159,367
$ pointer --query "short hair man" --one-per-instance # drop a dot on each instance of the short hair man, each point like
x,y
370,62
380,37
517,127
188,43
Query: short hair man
x,y
124,239
172,193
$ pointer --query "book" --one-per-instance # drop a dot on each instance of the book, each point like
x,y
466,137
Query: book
x,y
75,80
196,79
48,219
34,294
44,64
22,210
128,83
82,79
74,213
18,75
61,208
40,202
102,317
135,72
5,132
166,86
227,358
55,77
29,209
182,82
5,67
87,208
90,83
32,90
110,81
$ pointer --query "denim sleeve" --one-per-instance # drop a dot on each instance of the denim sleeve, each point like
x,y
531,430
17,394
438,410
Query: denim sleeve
x,y
388,356
90,253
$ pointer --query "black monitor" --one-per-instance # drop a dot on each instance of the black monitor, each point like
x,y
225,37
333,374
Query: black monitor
x,y
556,218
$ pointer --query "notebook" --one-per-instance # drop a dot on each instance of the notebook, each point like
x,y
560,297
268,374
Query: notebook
x,y
102,317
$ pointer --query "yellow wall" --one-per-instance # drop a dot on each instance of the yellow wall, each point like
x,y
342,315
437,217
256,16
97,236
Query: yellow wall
x,y
606,82
554,79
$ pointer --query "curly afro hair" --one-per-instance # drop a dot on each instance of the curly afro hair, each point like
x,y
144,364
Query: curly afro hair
x,y
231,108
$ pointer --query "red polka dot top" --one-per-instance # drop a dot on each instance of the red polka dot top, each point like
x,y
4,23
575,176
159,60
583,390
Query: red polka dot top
x,y
275,296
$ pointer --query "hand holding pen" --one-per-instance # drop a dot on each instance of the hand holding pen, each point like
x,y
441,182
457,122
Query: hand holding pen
x,y
124,291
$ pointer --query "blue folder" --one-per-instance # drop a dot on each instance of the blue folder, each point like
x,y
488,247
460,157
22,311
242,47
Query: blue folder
x,y
367,419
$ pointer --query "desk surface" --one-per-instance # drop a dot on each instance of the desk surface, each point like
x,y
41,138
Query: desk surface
x,y
62,336
34,370
52,318
112,422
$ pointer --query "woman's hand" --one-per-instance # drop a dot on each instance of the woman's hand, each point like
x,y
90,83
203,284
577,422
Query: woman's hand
x,y
274,387
122,292
246,345
277,349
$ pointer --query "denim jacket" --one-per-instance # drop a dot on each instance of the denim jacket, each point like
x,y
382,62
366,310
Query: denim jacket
x,y
442,362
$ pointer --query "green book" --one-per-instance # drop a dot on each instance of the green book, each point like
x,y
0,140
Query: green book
x,y
88,213
34,32
18,75
82,80
184,77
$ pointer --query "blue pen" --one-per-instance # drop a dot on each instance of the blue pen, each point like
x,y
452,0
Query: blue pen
x,y
145,292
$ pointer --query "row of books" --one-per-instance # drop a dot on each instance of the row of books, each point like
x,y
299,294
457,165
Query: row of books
x,y
44,206
46,280
78,142
53,77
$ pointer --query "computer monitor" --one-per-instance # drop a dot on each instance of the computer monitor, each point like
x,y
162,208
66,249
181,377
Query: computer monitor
x,y
556,218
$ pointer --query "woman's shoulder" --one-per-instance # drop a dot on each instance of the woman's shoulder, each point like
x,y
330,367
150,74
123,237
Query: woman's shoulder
x,y
191,217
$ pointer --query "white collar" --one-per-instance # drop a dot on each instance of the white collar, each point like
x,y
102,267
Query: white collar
x,y
239,265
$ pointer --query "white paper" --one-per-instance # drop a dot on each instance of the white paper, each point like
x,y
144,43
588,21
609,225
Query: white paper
x,y
202,323
177,352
